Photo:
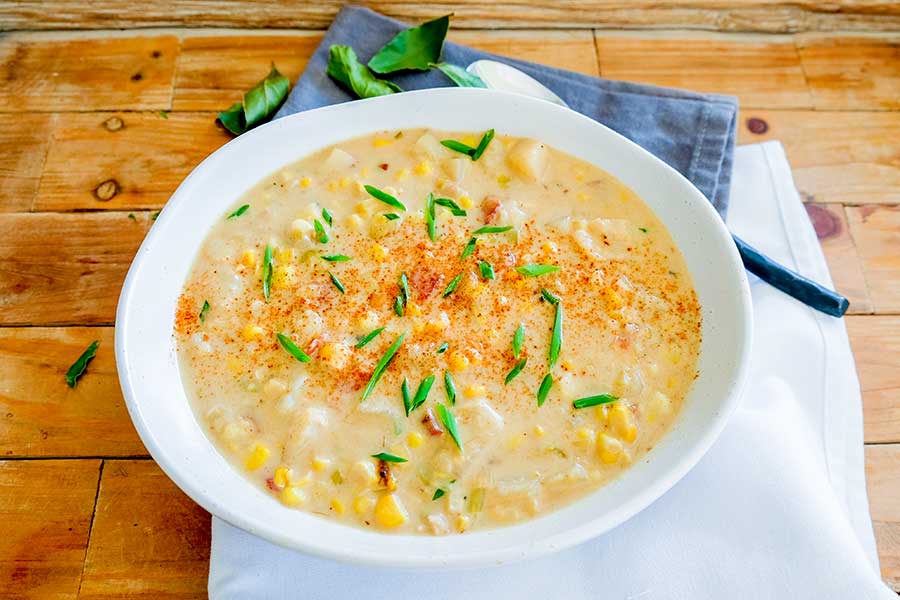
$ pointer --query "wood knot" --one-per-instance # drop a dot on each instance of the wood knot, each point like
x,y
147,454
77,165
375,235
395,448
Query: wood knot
x,y
114,124
826,223
137,76
757,125
107,190
156,54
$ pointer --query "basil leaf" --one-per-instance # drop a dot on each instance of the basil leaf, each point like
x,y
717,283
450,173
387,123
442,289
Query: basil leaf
x,y
416,48
258,105
345,68
385,456
78,367
459,76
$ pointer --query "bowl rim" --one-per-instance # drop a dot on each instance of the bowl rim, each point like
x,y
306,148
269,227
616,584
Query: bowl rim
x,y
321,545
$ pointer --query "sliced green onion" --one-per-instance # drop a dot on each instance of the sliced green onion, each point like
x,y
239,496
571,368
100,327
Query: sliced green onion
x,y
398,305
487,269
203,310
452,285
459,147
556,336
537,270
385,197
391,216
404,287
594,400
483,144
546,384
321,235
386,456
292,348
455,209
337,282
443,348
548,296
449,387
518,338
429,217
381,366
469,249
238,212
369,337
491,229
267,272
326,216
449,423
643,229
336,258
438,493
81,363
407,398
421,393
515,371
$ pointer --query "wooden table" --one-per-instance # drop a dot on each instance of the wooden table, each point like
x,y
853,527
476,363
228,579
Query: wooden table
x,y
99,126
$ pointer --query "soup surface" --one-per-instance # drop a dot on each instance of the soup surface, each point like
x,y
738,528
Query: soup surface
x,y
416,338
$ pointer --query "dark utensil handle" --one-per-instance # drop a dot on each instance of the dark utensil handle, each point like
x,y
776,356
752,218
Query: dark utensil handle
x,y
791,283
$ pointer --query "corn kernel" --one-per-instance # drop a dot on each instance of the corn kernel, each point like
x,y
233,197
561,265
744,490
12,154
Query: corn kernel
x,y
252,332
282,477
335,354
585,435
378,252
363,209
413,309
305,182
568,365
423,168
257,458
337,506
320,464
470,140
475,391
603,414
363,504
458,362
465,202
284,276
462,523
364,172
284,255
389,511
622,422
332,186
354,223
379,142
248,259
609,448
366,322
414,439
439,324
234,365
539,431
503,180
401,174
345,181
582,197
291,496
549,247
515,441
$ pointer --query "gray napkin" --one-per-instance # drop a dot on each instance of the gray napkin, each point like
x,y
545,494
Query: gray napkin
x,y
692,132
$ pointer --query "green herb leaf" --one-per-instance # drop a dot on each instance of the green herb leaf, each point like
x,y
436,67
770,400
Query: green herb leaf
x,y
345,68
492,229
483,144
449,423
455,208
398,305
369,337
203,310
416,48
459,76
321,235
407,398
421,393
469,249
487,269
238,212
443,348
132,217
337,282
518,338
154,215
515,371
546,384
258,105
594,400
452,285
381,366
438,493
556,336
267,272
387,457
459,147
336,257
643,229
292,348
449,387
548,296
536,270
327,217
429,217
78,367
384,197
164,114
391,216
404,288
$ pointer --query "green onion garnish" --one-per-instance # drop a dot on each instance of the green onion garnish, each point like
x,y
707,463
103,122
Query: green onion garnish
x,y
483,144
459,147
267,272
515,371
556,336
455,209
238,212
421,393
337,282
398,305
78,367
449,387
443,348
452,285
429,217
546,384
384,197
203,310
292,348
643,229
594,400
469,249
326,216
369,337
321,235
487,269
491,229
391,216
449,423
537,270
336,257
404,288
548,296
381,366
518,338
132,217
385,456
438,493
407,398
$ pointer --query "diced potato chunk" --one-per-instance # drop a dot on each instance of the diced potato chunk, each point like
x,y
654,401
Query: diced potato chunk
x,y
428,146
659,406
456,168
335,355
529,158
339,160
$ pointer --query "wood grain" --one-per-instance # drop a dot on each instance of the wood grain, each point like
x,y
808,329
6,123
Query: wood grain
x,y
23,146
761,72
876,231
836,157
149,540
41,416
572,50
752,15
45,509
876,348
883,481
64,268
102,73
856,73
123,160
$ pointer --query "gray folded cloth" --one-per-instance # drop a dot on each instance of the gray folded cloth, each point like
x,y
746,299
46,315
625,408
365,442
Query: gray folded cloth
x,y
692,132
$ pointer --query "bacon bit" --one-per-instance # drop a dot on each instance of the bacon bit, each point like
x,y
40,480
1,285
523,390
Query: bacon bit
x,y
383,166
270,483
425,283
431,424
385,477
489,207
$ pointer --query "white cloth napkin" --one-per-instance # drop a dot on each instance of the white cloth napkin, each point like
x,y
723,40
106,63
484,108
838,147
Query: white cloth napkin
x,y
776,509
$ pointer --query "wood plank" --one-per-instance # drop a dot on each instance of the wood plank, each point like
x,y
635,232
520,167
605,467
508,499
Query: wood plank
x,y
876,231
836,157
149,540
876,349
65,268
142,160
761,72
856,73
41,415
833,231
215,70
572,50
883,483
101,73
752,15
45,508
23,146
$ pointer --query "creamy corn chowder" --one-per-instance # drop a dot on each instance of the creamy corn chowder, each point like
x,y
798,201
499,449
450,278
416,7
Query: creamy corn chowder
x,y
433,332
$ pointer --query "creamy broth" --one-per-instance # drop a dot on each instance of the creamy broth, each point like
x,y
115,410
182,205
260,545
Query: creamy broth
x,y
304,415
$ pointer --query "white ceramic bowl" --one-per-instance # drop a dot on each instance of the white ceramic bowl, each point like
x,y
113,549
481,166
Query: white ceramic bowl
x,y
151,382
